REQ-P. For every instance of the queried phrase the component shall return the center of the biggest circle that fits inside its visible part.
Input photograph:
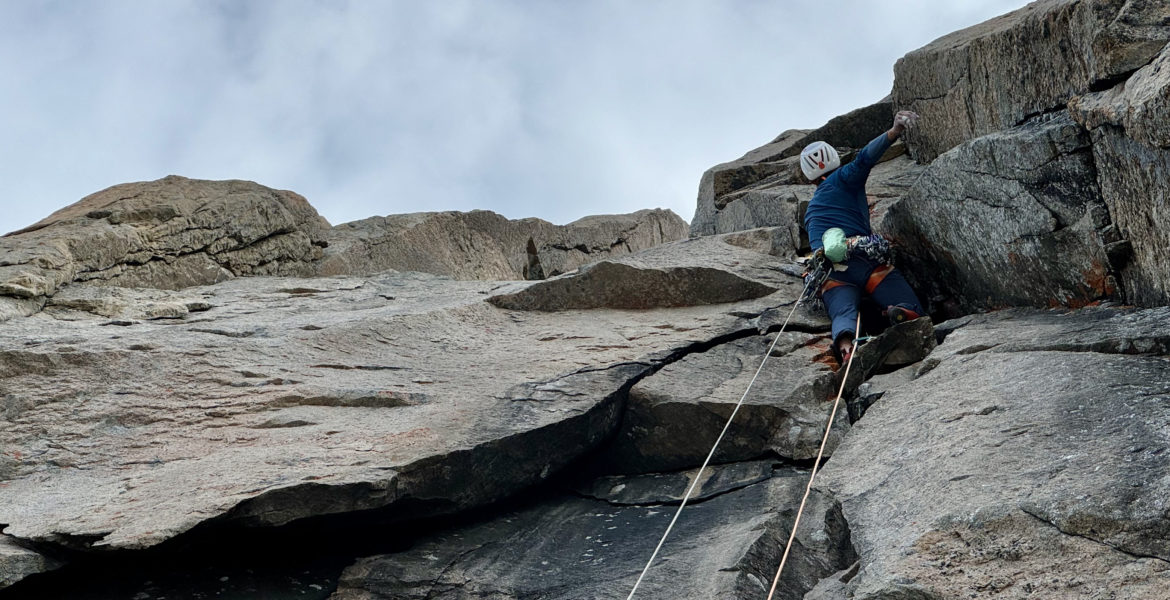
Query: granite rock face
(533, 438)
(1131, 146)
(177, 232)
(484, 245)
(995, 75)
(271, 400)
(1020, 452)
(167, 234)
(1009, 219)
(250, 380)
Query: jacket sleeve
(856, 172)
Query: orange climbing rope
(816, 465)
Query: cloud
(549, 109)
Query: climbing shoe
(844, 346)
(847, 353)
(898, 314)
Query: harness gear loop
(707, 461)
(816, 465)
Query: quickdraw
(819, 269)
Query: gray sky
(556, 109)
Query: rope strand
(699, 475)
(816, 464)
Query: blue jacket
(840, 200)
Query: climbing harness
(820, 268)
(816, 464)
(699, 475)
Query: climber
(837, 221)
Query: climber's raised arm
(905, 119)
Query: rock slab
(568, 547)
(1004, 462)
(1013, 218)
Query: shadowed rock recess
(208, 391)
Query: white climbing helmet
(817, 159)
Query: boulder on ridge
(484, 245)
(168, 234)
(711, 270)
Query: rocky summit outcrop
(484, 245)
(190, 365)
(170, 233)
(177, 232)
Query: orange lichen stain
(1098, 279)
(824, 355)
(1098, 284)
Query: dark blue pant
(842, 301)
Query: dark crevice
(1108, 83)
(1061, 108)
(693, 501)
(1117, 346)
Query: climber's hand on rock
(905, 119)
